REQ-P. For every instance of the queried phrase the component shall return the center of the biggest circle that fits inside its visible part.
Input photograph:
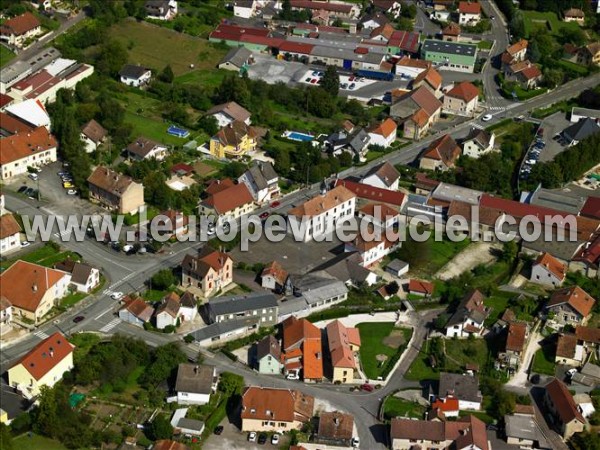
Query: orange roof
(515, 341)
(20, 24)
(444, 149)
(297, 330)
(165, 444)
(431, 77)
(420, 117)
(312, 359)
(276, 271)
(588, 334)
(465, 91)
(517, 47)
(385, 128)
(448, 404)
(24, 284)
(421, 286)
(339, 345)
(46, 355)
(229, 199)
(577, 298)
(283, 405)
(12, 125)
(353, 336)
(469, 8)
(552, 265)
(8, 226)
(26, 143)
(322, 203)
(293, 353)
(407, 61)
(453, 29)
(383, 212)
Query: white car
(72, 192)
(487, 118)
(292, 376)
(275, 439)
(355, 442)
(25, 244)
(571, 372)
(117, 295)
(252, 436)
(33, 176)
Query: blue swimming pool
(296, 136)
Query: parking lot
(272, 70)
(234, 439)
(552, 126)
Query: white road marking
(110, 325)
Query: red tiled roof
(577, 298)
(566, 346)
(448, 404)
(12, 125)
(444, 149)
(20, 24)
(228, 199)
(421, 286)
(591, 208)
(517, 47)
(385, 128)
(405, 40)
(283, 405)
(515, 340)
(8, 226)
(296, 47)
(465, 91)
(25, 143)
(46, 355)
(469, 8)
(431, 76)
(590, 335)
(296, 330)
(563, 402)
(339, 345)
(321, 5)
(312, 359)
(552, 265)
(367, 192)
(5, 100)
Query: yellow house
(343, 344)
(3, 416)
(275, 410)
(233, 140)
(44, 365)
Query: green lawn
(204, 78)
(45, 256)
(547, 20)
(498, 302)
(5, 56)
(36, 442)
(152, 295)
(399, 407)
(543, 360)
(484, 45)
(372, 336)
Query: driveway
(475, 254)
(519, 380)
(234, 439)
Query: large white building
(9, 234)
(27, 149)
(320, 215)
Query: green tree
(167, 75)
(588, 440)
(160, 428)
(110, 59)
(163, 279)
(510, 250)
(208, 124)
(230, 383)
(409, 11)
(534, 52)
(5, 438)
(553, 77)
(517, 25)
(165, 360)
(405, 24)
(47, 414)
(331, 81)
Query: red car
(313, 81)
(275, 204)
(264, 215)
(351, 79)
(367, 387)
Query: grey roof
(344, 42)
(591, 370)
(21, 68)
(585, 112)
(268, 346)
(191, 424)
(262, 172)
(319, 286)
(561, 250)
(220, 328)
(480, 137)
(239, 303)
(132, 71)
(585, 380)
(81, 273)
(454, 48)
(521, 427)
(359, 141)
(342, 53)
(397, 265)
(581, 130)
(561, 201)
(345, 267)
(464, 387)
(194, 378)
(292, 306)
(449, 192)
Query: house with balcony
(234, 140)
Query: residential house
(527, 74)
(589, 55)
(478, 142)
(373, 250)
(390, 7)
(579, 131)
(568, 351)
(268, 356)
(380, 215)
(548, 271)
(446, 407)
(397, 268)
(135, 311)
(420, 288)
(277, 410)
(347, 267)
(262, 181)
(382, 33)
(173, 223)
(227, 113)
(302, 349)
(343, 343)
(244, 8)
(226, 201)
(234, 140)
(371, 21)
(6, 311)
(408, 67)
(451, 32)
(430, 79)
(236, 59)
(574, 15)
(321, 214)
(262, 305)
(44, 365)
(462, 100)
(144, 148)
(10, 231)
(425, 185)
(195, 383)
(92, 134)
(167, 313)
(517, 334)
(383, 134)
(84, 277)
(115, 191)
(20, 30)
(571, 305)
(208, 272)
(417, 111)
(367, 193)
(135, 76)
(33, 290)
(442, 154)
(358, 143)
(188, 309)
(26, 149)
(383, 176)
(338, 9)
(275, 278)
(465, 433)
(335, 428)
(463, 387)
(161, 9)
(469, 13)
(522, 429)
(515, 53)
(469, 317)
(568, 420)
(589, 337)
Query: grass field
(543, 360)
(498, 302)
(399, 407)
(206, 78)
(24, 442)
(381, 339)
(547, 20)
(155, 47)
(484, 45)
(5, 56)
(45, 256)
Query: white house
(469, 13)
(26, 149)
(144, 148)
(462, 100)
(188, 309)
(463, 387)
(380, 215)
(20, 29)
(384, 176)
(319, 215)
(244, 8)
(92, 135)
(135, 76)
(397, 268)
(390, 7)
(135, 311)
(195, 383)
(9, 234)
(228, 113)
(168, 311)
(548, 271)
(478, 143)
(262, 181)
(84, 277)
(384, 133)
(469, 317)
(370, 251)
(161, 9)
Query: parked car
(367, 387)
(275, 439)
(264, 215)
(72, 192)
(68, 185)
(486, 118)
(352, 86)
(275, 204)
(352, 78)
(252, 436)
(314, 81)
(307, 80)
(117, 295)
(262, 438)
(25, 244)
(315, 73)
(78, 319)
(292, 376)
(22, 189)
(355, 442)
(219, 430)
(33, 176)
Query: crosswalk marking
(478, 126)
(110, 325)
(41, 335)
(497, 108)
